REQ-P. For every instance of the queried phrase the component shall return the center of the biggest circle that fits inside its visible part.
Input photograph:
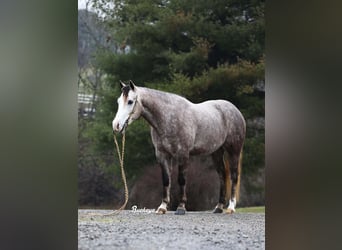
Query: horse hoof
(230, 211)
(180, 211)
(161, 211)
(218, 210)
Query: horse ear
(122, 84)
(131, 84)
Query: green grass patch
(251, 210)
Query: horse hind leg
(218, 158)
(234, 171)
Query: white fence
(85, 98)
(85, 103)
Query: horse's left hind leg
(220, 168)
(234, 159)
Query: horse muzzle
(120, 129)
(123, 129)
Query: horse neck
(155, 107)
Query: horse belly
(201, 151)
(207, 144)
(205, 149)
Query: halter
(130, 115)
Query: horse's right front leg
(166, 177)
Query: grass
(251, 210)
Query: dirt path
(195, 230)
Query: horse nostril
(117, 126)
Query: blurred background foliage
(199, 49)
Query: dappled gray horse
(180, 129)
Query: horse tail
(228, 180)
(238, 180)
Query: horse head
(129, 107)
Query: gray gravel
(195, 230)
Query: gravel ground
(195, 230)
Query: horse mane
(166, 96)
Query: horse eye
(130, 102)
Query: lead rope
(121, 160)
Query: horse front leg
(166, 178)
(182, 184)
